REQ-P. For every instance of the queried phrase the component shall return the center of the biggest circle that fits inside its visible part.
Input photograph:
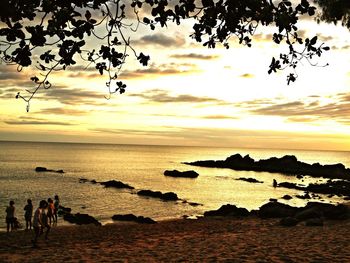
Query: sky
(192, 95)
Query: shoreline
(214, 239)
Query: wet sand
(204, 240)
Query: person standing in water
(38, 224)
(56, 205)
(28, 214)
(10, 216)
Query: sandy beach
(204, 240)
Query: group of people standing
(44, 216)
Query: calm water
(141, 167)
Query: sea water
(142, 167)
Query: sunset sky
(191, 95)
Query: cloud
(160, 70)
(161, 40)
(194, 56)
(63, 111)
(220, 117)
(35, 121)
(70, 96)
(163, 96)
(337, 109)
(247, 76)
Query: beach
(204, 240)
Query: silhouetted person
(56, 205)
(28, 214)
(45, 220)
(50, 211)
(274, 184)
(10, 216)
(38, 222)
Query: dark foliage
(59, 31)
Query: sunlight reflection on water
(141, 167)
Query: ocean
(142, 167)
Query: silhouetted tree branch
(54, 34)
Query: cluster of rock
(79, 219)
(168, 196)
(44, 169)
(133, 218)
(314, 213)
(287, 165)
(117, 184)
(184, 174)
(250, 180)
(338, 187)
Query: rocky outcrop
(228, 210)
(80, 219)
(276, 210)
(250, 180)
(40, 169)
(185, 174)
(169, 196)
(133, 218)
(117, 184)
(338, 187)
(287, 165)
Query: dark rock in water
(185, 174)
(287, 197)
(93, 181)
(338, 187)
(250, 180)
(64, 210)
(305, 196)
(133, 218)
(228, 210)
(81, 219)
(289, 221)
(299, 176)
(116, 184)
(273, 200)
(169, 196)
(41, 169)
(83, 180)
(314, 222)
(287, 164)
(44, 169)
(276, 209)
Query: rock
(81, 219)
(314, 222)
(40, 169)
(287, 197)
(330, 211)
(64, 210)
(287, 165)
(305, 196)
(307, 214)
(133, 218)
(116, 184)
(83, 180)
(250, 180)
(273, 200)
(185, 174)
(228, 210)
(276, 209)
(169, 196)
(289, 221)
